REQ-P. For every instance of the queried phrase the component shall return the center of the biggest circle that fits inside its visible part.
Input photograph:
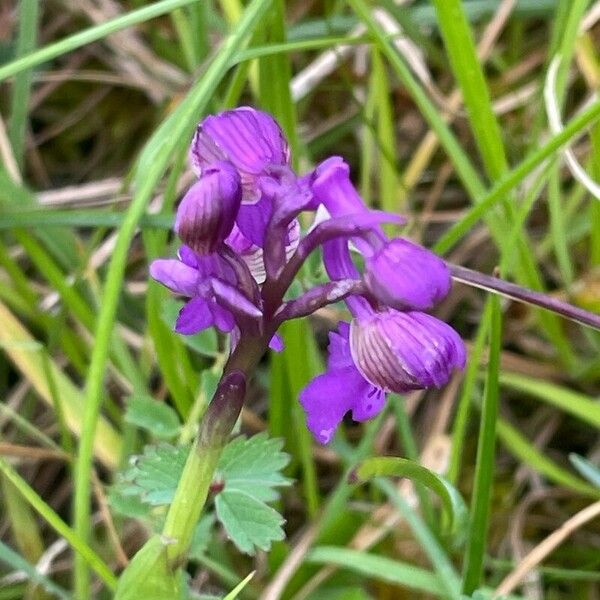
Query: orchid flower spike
(243, 247)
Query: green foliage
(150, 576)
(454, 506)
(248, 475)
(248, 521)
(153, 476)
(155, 417)
(253, 466)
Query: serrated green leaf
(249, 471)
(156, 417)
(204, 343)
(154, 475)
(149, 575)
(248, 522)
(253, 466)
(127, 504)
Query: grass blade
(92, 34)
(77, 543)
(378, 567)
(28, 24)
(10, 557)
(484, 470)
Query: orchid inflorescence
(243, 248)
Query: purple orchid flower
(243, 249)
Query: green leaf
(156, 417)
(204, 343)
(253, 466)
(149, 575)
(484, 468)
(454, 505)
(125, 503)
(249, 465)
(249, 522)
(153, 476)
(249, 471)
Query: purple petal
(238, 242)
(402, 351)
(289, 201)
(207, 212)
(177, 276)
(369, 404)
(339, 265)
(248, 138)
(361, 227)
(194, 317)
(328, 397)
(332, 188)
(230, 298)
(188, 256)
(214, 265)
(276, 343)
(342, 388)
(339, 347)
(253, 219)
(222, 318)
(404, 275)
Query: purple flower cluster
(243, 248)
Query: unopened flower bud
(404, 275)
(402, 351)
(206, 214)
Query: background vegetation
(438, 106)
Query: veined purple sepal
(206, 215)
(402, 351)
(404, 275)
(250, 139)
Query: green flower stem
(215, 429)
(194, 485)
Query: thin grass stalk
(484, 469)
(28, 24)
